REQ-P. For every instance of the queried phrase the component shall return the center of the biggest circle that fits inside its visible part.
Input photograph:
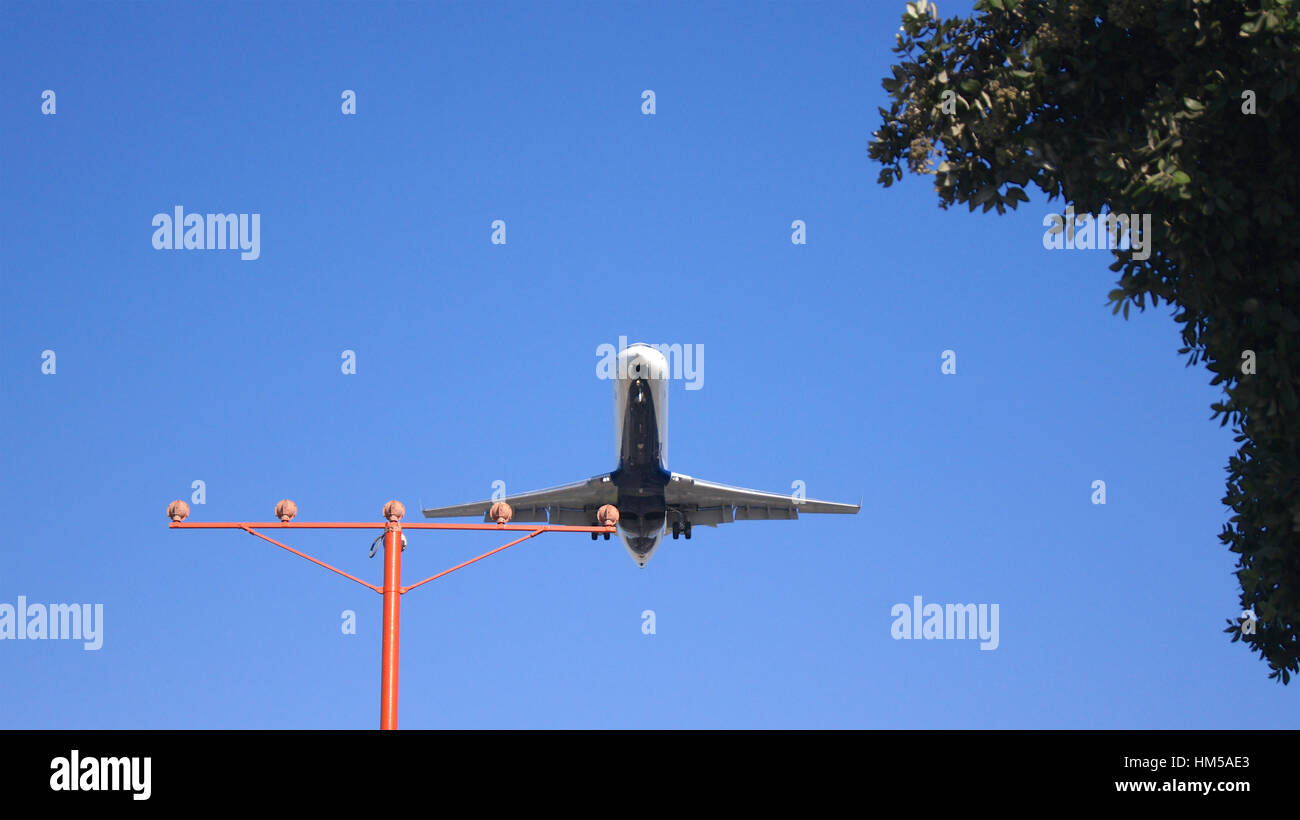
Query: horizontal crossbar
(371, 525)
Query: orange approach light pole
(394, 543)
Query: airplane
(651, 501)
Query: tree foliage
(1183, 109)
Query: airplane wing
(710, 504)
(572, 504)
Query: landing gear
(686, 529)
(681, 528)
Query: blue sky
(476, 363)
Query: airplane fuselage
(641, 436)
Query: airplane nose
(640, 547)
(643, 362)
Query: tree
(1182, 109)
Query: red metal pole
(392, 624)
(392, 590)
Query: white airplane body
(651, 500)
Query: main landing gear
(681, 528)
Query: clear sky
(475, 363)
